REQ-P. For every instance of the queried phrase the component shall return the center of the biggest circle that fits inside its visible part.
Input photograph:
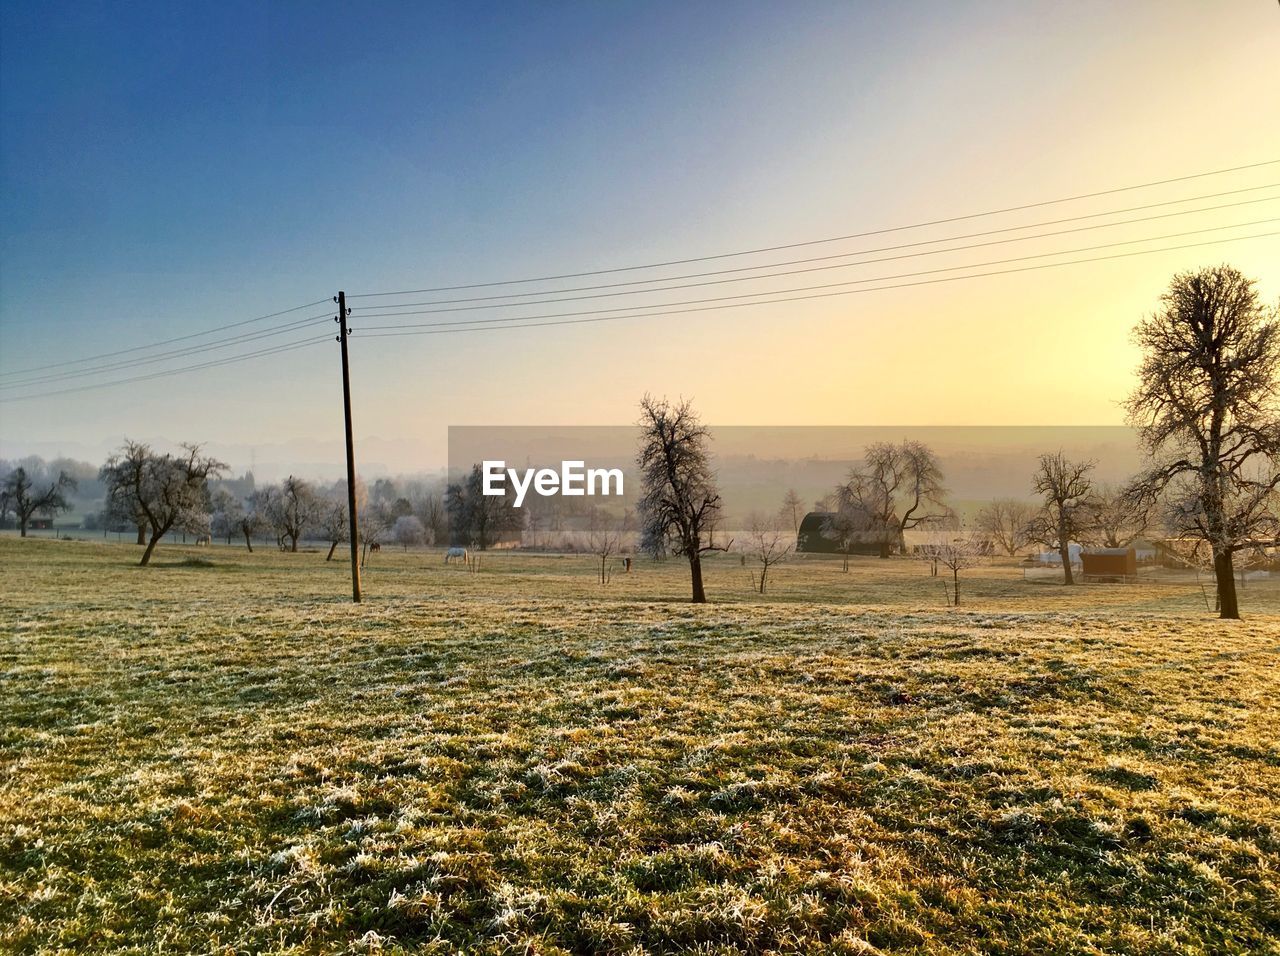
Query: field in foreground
(221, 754)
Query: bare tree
(849, 523)
(195, 521)
(122, 506)
(228, 513)
(375, 525)
(250, 523)
(769, 543)
(292, 511)
(20, 494)
(333, 525)
(431, 511)
(604, 543)
(792, 510)
(899, 486)
(679, 504)
(1066, 515)
(408, 530)
(956, 551)
(163, 489)
(1119, 517)
(1207, 408)
(1007, 523)
(477, 520)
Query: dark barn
(1110, 564)
(815, 537)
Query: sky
(173, 168)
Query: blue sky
(171, 167)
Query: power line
(180, 338)
(829, 285)
(812, 242)
(791, 272)
(288, 346)
(483, 325)
(905, 245)
(162, 356)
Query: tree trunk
(1064, 551)
(763, 573)
(22, 526)
(151, 546)
(142, 534)
(695, 571)
(333, 546)
(247, 543)
(293, 543)
(955, 586)
(1224, 573)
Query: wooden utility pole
(352, 523)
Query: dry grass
(228, 757)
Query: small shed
(1110, 564)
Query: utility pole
(353, 525)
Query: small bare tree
(679, 503)
(956, 551)
(1007, 523)
(333, 525)
(604, 543)
(227, 512)
(849, 524)
(408, 530)
(21, 494)
(792, 510)
(769, 543)
(431, 511)
(1066, 515)
(292, 510)
(375, 524)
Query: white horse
(458, 553)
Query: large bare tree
(162, 489)
(1007, 524)
(679, 503)
(26, 497)
(1066, 514)
(899, 486)
(1207, 408)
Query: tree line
(1206, 407)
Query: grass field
(221, 754)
